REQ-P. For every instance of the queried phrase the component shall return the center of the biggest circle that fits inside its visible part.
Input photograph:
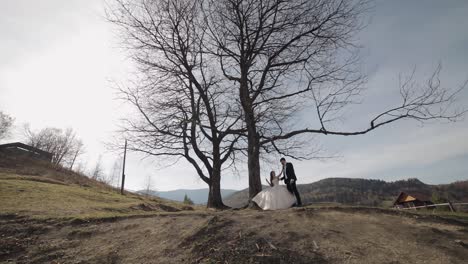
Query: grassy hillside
(198, 196)
(366, 192)
(44, 198)
(50, 215)
(38, 190)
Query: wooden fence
(449, 204)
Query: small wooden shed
(405, 200)
(19, 150)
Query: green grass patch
(461, 216)
(33, 197)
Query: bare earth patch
(305, 235)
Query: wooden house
(405, 200)
(20, 150)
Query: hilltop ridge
(40, 190)
(366, 192)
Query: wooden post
(123, 169)
(451, 206)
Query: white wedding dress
(274, 198)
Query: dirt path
(306, 235)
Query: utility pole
(123, 169)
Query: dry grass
(42, 197)
(304, 235)
(35, 227)
(460, 216)
(40, 190)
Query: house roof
(405, 197)
(26, 147)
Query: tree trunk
(253, 154)
(253, 144)
(255, 183)
(73, 160)
(214, 196)
(215, 199)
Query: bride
(276, 197)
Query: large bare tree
(267, 60)
(183, 109)
(285, 56)
(76, 150)
(65, 146)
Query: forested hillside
(367, 192)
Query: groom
(290, 179)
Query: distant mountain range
(198, 196)
(366, 192)
(338, 190)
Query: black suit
(288, 176)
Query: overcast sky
(58, 60)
